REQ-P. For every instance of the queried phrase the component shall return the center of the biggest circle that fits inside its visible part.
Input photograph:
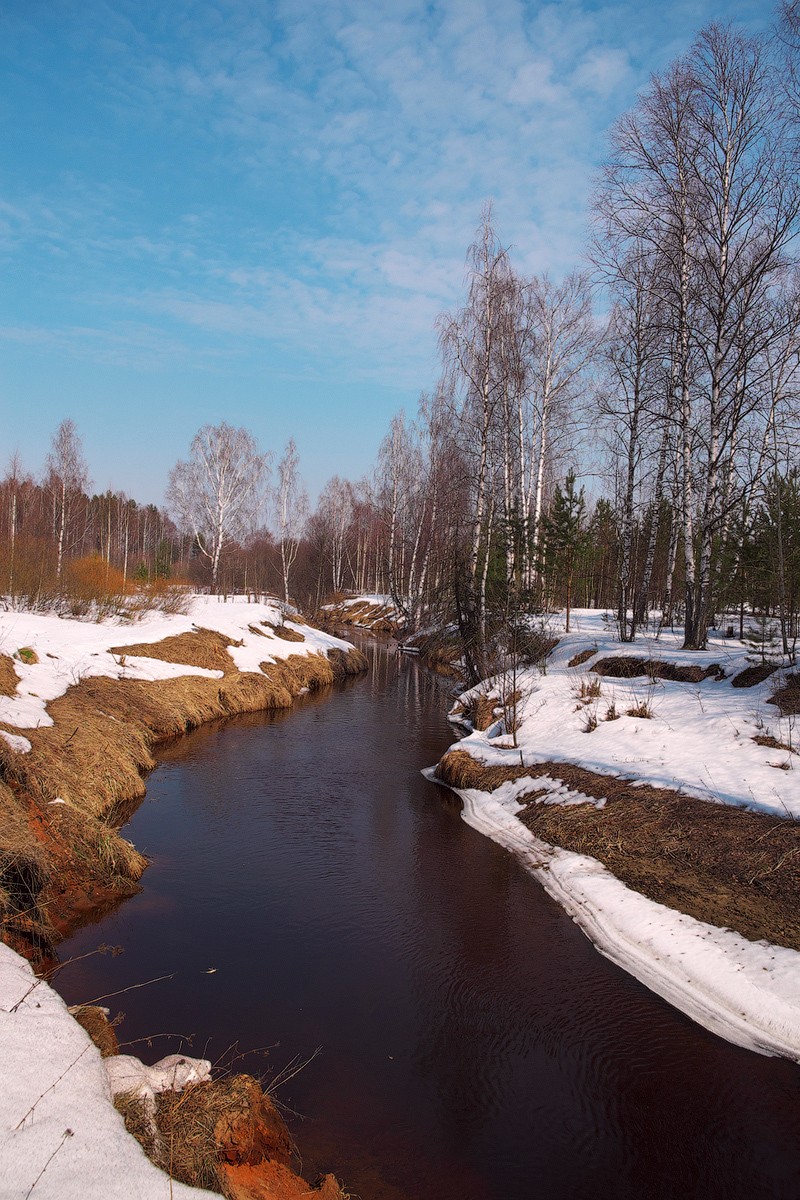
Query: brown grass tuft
(763, 739)
(139, 1124)
(750, 676)
(95, 1021)
(582, 656)
(787, 697)
(8, 676)
(283, 631)
(209, 1127)
(629, 666)
(200, 648)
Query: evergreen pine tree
(564, 537)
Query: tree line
(623, 438)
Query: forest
(621, 439)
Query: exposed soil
(727, 866)
(225, 1135)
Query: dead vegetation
(95, 1021)
(719, 864)
(8, 676)
(224, 1135)
(629, 666)
(787, 697)
(205, 648)
(765, 739)
(750, 676)
(284, 632)
(364, 613)
(582, 656)
(60, 852)
(478, 710)
(25, 870)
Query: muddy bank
(730, 868)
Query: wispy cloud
(218, 183)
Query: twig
(131, 988)
(48, 975)
(52, 1085)
(66, 1134)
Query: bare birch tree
(218, 492)
(67, 479)
(291, 508)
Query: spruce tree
(564, 537)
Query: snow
(376, 599)
(170, 1074)
(699, 740)
(711, 723)
(58, 1128)
(70, 650)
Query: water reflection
(474, 1045)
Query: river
(309, 889)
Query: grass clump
(284, 632)
(582, 656)
(205, 648)
(8, 676)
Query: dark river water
(309, 889)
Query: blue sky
(254, 212)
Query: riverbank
(83, 706)
(654, 793)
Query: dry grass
(763, 739)
(8, 676)
(582, 656)
(96, 1023)
(140, 1124)
(787, 697)
(365, 614)
(589, 689)
(67, 857)
(284, 632)
(750, 676)
(479, 710)
(201, 648)
(194, 1135)
(347, 662)
(25, 870)
(720, 864)
(629, 666)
